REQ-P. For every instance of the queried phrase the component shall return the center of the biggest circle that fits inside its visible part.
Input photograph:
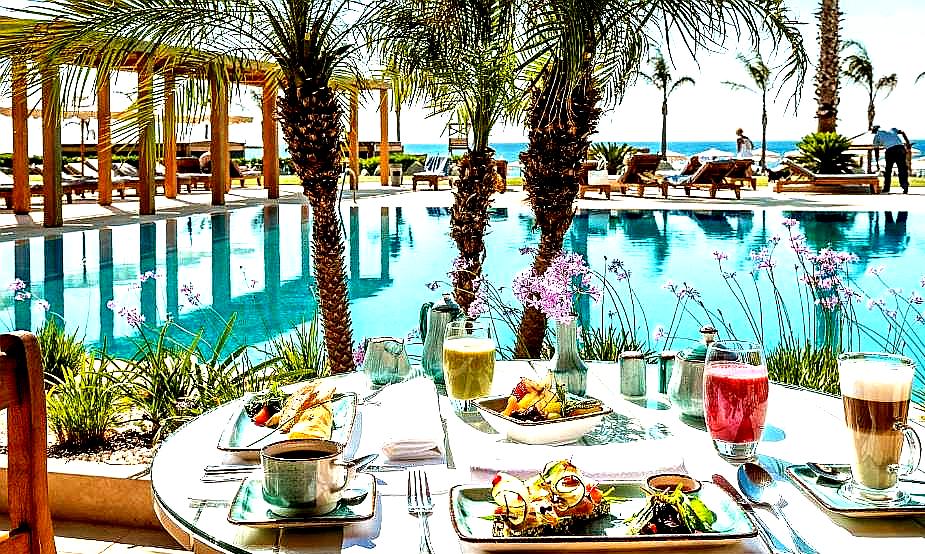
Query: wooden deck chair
(22, 393)
(711, 176)
(742, 172)
(801, 179)
(238, 174)
(640, 172)
(436, 169)
(586, 183)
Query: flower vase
(566, 365)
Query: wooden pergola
(146, 67)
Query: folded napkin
(408, 419)
(607, 462)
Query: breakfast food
(550, 503)
(546, 400)
(305, 414)
(671, 512)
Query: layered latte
(876, 398)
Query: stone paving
(73, 537)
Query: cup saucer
(827, 494)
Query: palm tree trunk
(561, 123)
(764, 131)
(311, 122)
(664, 123)
(827, 73)
(469, 220)
(871, 112)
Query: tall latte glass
(468, 363)
(875, 391)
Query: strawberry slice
(520, 390)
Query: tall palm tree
(760, 75)
(581, 55)
(827, 71)
(308, 47)
(458, 55)
(660, 77)
(860, 70)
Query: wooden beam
(170, 135)
(221, 175)
(270, 140)
(104, 142)
(384, 173)
(354, 139)
(22, 197)
(51, 147)
(147, 141)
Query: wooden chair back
(712, 172)
(639, 163)
(742, 169)
(22, 394)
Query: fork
(421, 506)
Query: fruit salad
(546, 400)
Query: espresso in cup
(303, 477)
(875, 394)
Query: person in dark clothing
(895, 153)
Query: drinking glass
(468, 362)
(735, 397)
(875, 390)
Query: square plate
(245, 439)
(468, 504)
(825, 493)
(564, 430)
(249, 507)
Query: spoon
(760, 488)
(842, 473)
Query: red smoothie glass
(735, 397)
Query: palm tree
(661, 78)
(582, 53)
(827, 71)
(859, 69)
(760, 75)
(459, 56)
(309, 47)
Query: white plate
(564, 430)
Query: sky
(706, 111)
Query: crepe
(314, 423)
(308, 397)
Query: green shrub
(825, 153)
(371, 164)
(804, 365)
(60, 351)
(613, 153)
(607, 343)
(300, 356)
(84, 402)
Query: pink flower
(916, 298)
(18, 284)
(22, 296)
(132, 316)
(875, 271)
(829, 303)
(554, 292)
(658, 333)
(720, 256)
(111, 305)
(359, 353)
(192, 297)
(789, 222)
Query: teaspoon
(758, 486)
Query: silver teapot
(685, 389)
(434, 319)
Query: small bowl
(564, 430)
(668, 482)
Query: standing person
(895, 153)
(744, 145)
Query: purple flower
(132, 316)
(359, 353)
(875, 302)
(22, 296)
(789, 222)
(111, 305)
(554, 292)
(43, 304)
(916, 298)
(668, 285)
(18, 284)
(720, 256)
(829, 303)
(875, 271)
(658, 333)
(762, 258)
(192, 297)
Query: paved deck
(87, 538)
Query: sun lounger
(189, 171)
(586, 182)
(640, 172)
(711, 176)
(69, 187)
(436, 169)
(742, 172)
(238, 174)
(802, 179)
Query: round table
(801, 426)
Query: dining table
(802, 425)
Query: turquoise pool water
(256, 262)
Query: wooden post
(384, 172)
(170, 135)
(218, 148)
(51, 146)
(22, 194)
(354, 139)
(104, 142)
(146, 139)
(270, 140)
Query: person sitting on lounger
(693, 164)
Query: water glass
(875, 390)
(735, 397)
(468, 362)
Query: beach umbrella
(673, 156)
(712, 153)
(793, 153)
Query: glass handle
(913, 446)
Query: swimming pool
(255, 261)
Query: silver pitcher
(685, 389)
(386, 361)
(434, 319)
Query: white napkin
(409, 420)
(612, 462)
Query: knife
(770, 540)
